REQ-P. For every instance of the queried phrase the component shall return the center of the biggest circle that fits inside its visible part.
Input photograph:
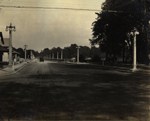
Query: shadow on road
(73, 97)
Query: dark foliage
(111, 30)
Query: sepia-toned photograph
(68, 60)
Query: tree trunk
(123, 52)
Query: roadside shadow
(73, 97)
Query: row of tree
(68, 53)
(113, 25)
(28, 52)
(71, 52)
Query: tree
(45, 52)
(113, 25)
(95, 54)
(35, 53)
(85, 51)
(70, 52)
(58, 50)
(21, 51)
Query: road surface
(51, 91)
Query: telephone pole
(10, 28)
(25, 47)
(134, 33)
(57, 55)
(78, 54)
(61, 54)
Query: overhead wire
(47, 5)
(32, 7)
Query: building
(4, 50)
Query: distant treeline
(85, 53)
(69, 52)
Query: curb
(125, 70)
(107, 67)
(16, 70)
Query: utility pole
(31, 54)
(57, 55)
(25, 47)
(53, 56)
(78, 54)
(134, 33)
(61, 54)
(10, 28)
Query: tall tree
(21, 51)
(113, 25)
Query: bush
(96, 58)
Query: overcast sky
(47, 28)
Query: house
(3, 54)
(1, 37)
(4, 50)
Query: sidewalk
(13, 69)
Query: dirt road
(50, 91)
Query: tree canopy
(111, 30)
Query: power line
(48, 2)
(32, 7)
(69, 8)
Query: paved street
(50, 90)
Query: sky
(41, 28)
